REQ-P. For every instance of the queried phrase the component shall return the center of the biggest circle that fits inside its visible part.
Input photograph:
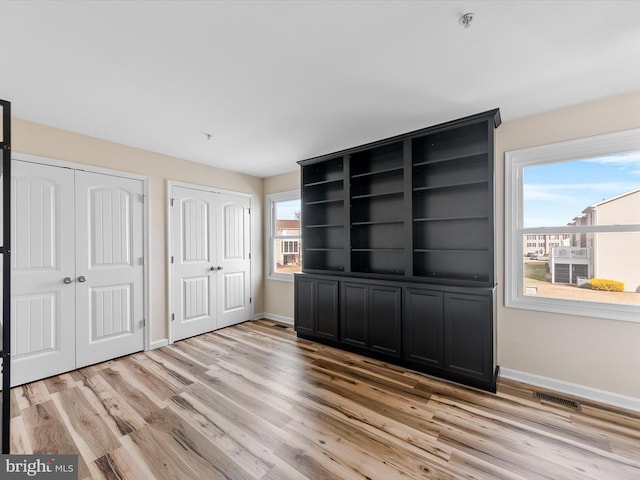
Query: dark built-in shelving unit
(401, 222)
(324, 224)
(377, 223)
(5, 251)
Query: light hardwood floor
(254, 402)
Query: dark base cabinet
(370, 317)
(423, 332)
(316, 307)
(447, 332)
(451, 334)
(467, 335)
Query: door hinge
(249, 211)
(143, 323)
(250, 299)
(173, 317)
(141, 260)
(142, 197)
(172, 200)
(249, 255)
(171, 258)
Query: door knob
(67, 280)
(213, 269)
(218, 267)
(82, 278)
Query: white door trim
(174, 183)
(193, 186)
(146, 305)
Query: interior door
(43, 264)
(211, 261)
(234, 258)
(194, 268)
(109, 267)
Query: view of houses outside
(603, 255)
(287, 249)
(561, 264)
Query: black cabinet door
(385, 313)
(423, 327)
(353, 320)
(327, 312)
(305, 304)
(468, 335)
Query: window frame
(271, 237)
(516, 161)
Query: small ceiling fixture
(465, 20)
(207, 135)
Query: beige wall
(598, 353)
(44, 141)
(278, 295)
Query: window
(581, 201)
(283, 235)
(290, 246)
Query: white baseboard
(601, 396)
(273, 316)
(159, 343)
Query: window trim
(515, 161)
(270, 236)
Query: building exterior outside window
(556, 261)
(284, 256)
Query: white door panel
(234, 237)
(42, 310)
(109, 267)
(193, 280)
(210, 273)
(77, 269)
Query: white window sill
(607, 311)
(281, 277)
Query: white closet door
(109, 267)
(233, 234)
(43, 253)
(193, 271)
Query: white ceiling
(274, 82)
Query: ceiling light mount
(207, 135)
(466, 19)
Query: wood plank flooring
(254, 402)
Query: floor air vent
(565, 402)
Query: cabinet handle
(82, 279)
(67, 280)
